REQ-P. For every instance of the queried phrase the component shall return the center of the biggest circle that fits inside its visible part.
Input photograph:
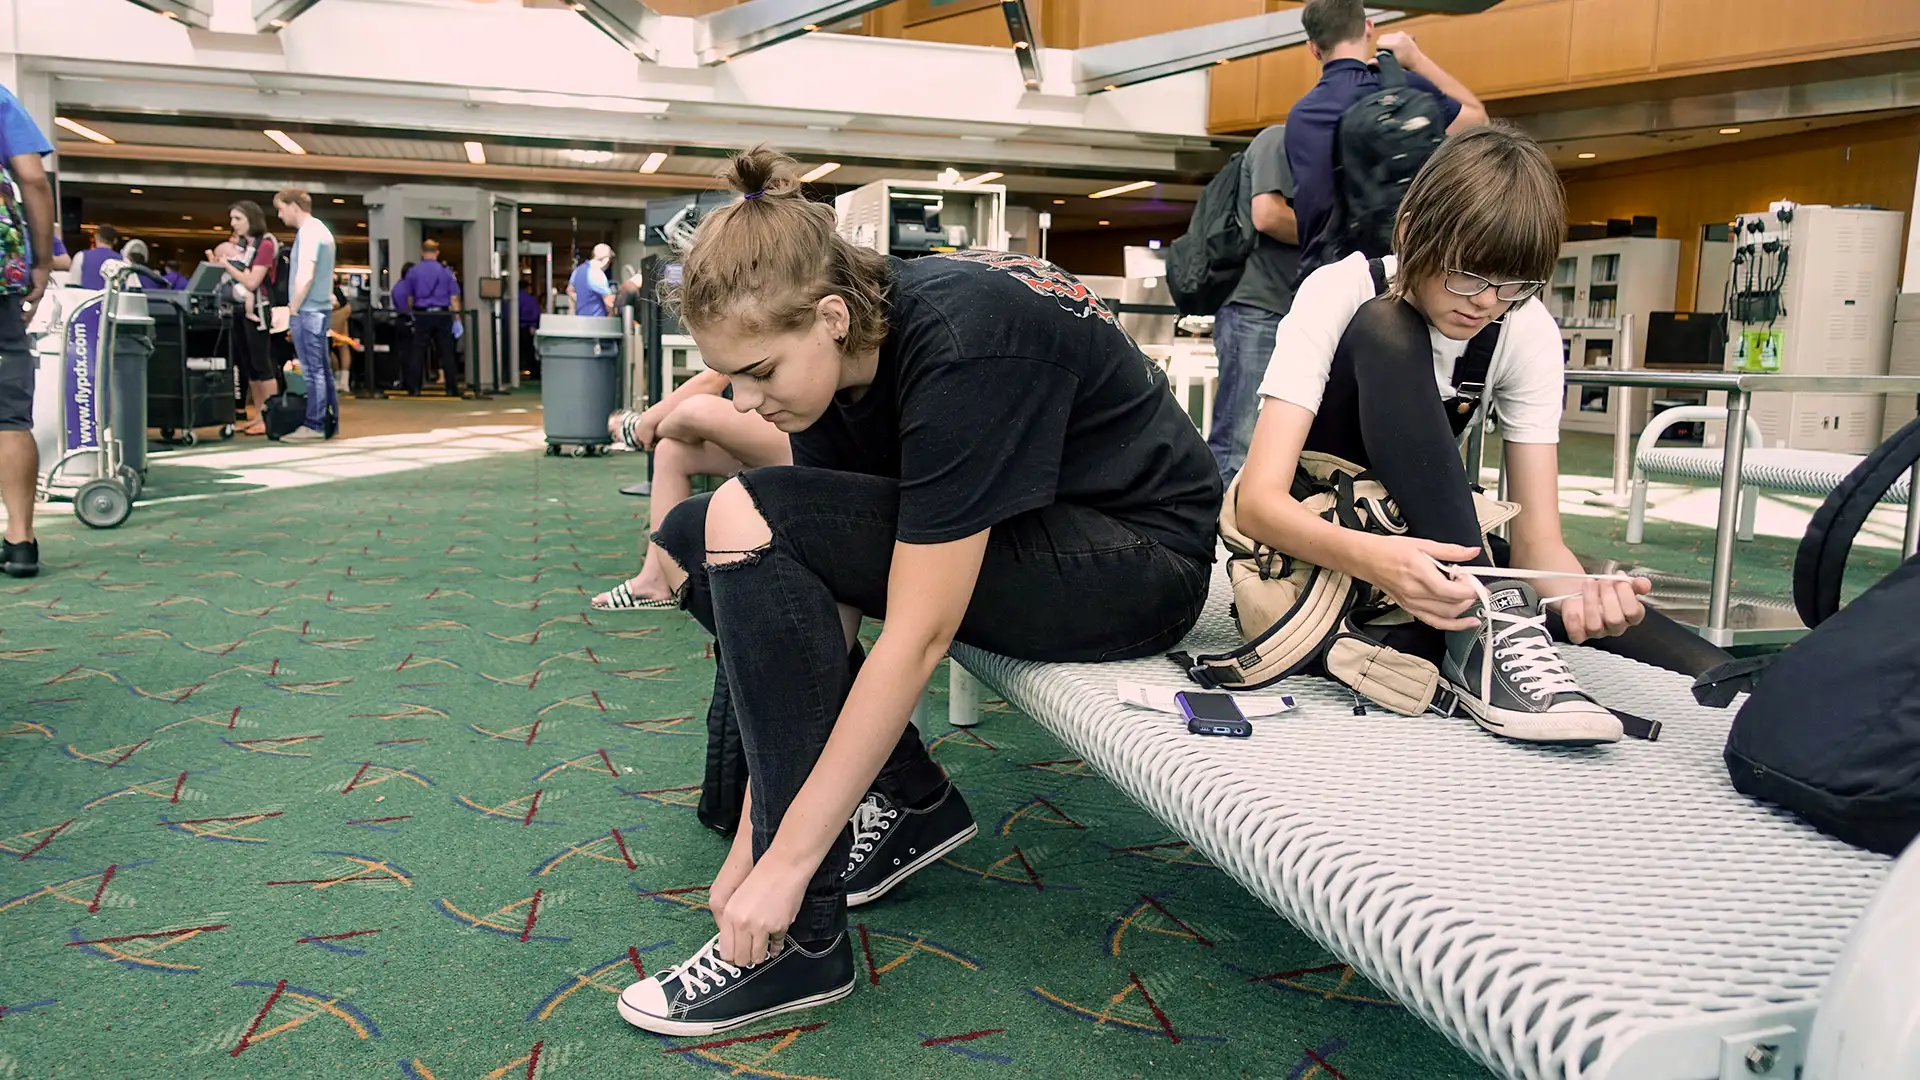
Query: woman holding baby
(248, 258)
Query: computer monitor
(206, 279)
(1686, 339)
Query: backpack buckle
(1446, 702)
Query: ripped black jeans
(1058, 584)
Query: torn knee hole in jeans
(736, 560)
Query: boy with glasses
(1366, 368)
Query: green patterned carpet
(343, 780)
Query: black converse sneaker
(891, 842)
(705, 995)
(1511, 679)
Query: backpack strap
(1391, 75)
(1378, 268)
(1821, 560)
(1470, 374)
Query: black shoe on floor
(20, 560)
(705, 995)
(891, 842)
(1531, 696)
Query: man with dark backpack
(1354, 142)
(1244, 327)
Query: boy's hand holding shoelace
(1605, 607)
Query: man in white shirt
(310, 311)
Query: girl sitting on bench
(980, 454)
(691, 432)
(1354, 373)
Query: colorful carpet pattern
(346, 780)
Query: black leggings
(1381, 412)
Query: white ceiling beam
(195, 13)
(1017, 146)
(757, 24)
(272, 16)
(630, 22)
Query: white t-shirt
(1525, 380)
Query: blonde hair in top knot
(765, 261)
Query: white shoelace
(1530, 657)
(700, 969)
(869, 821)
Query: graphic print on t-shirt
(1044, 278)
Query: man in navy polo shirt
(429, 291)
(1340, 36)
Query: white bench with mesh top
(1790, 472)
(1614, 913)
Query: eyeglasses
(1461, 283)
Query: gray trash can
(579, 380)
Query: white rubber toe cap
(643, 1000)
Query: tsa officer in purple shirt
(430, 292)
(89, 270)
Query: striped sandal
(621, 598)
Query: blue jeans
(1243, 342)
(309, 330)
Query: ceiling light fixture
(1588, 156)
(339, 202)
(135, 191)
(526, 209)
(82, 130)
(1059, 202)
(588, 157)
(1121, 190)
(1106, 223)
(281, 140)
(653, 162)
(810, 27)
(1730, 131)
(819, 171)
(476, 154)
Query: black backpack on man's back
(1378, 146)
(1205, 264)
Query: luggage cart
(91, 467)
(184, 391)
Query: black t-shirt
(1005, 385)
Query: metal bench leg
(1910, 537)
(1749, 506)
(1637, 511)
(963, 696)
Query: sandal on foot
(621, 598)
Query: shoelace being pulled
(1526, 649)
(870, 819)
(702, 968)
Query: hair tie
(756, 194)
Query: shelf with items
(1596, 284)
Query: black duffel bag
(1831, 728)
